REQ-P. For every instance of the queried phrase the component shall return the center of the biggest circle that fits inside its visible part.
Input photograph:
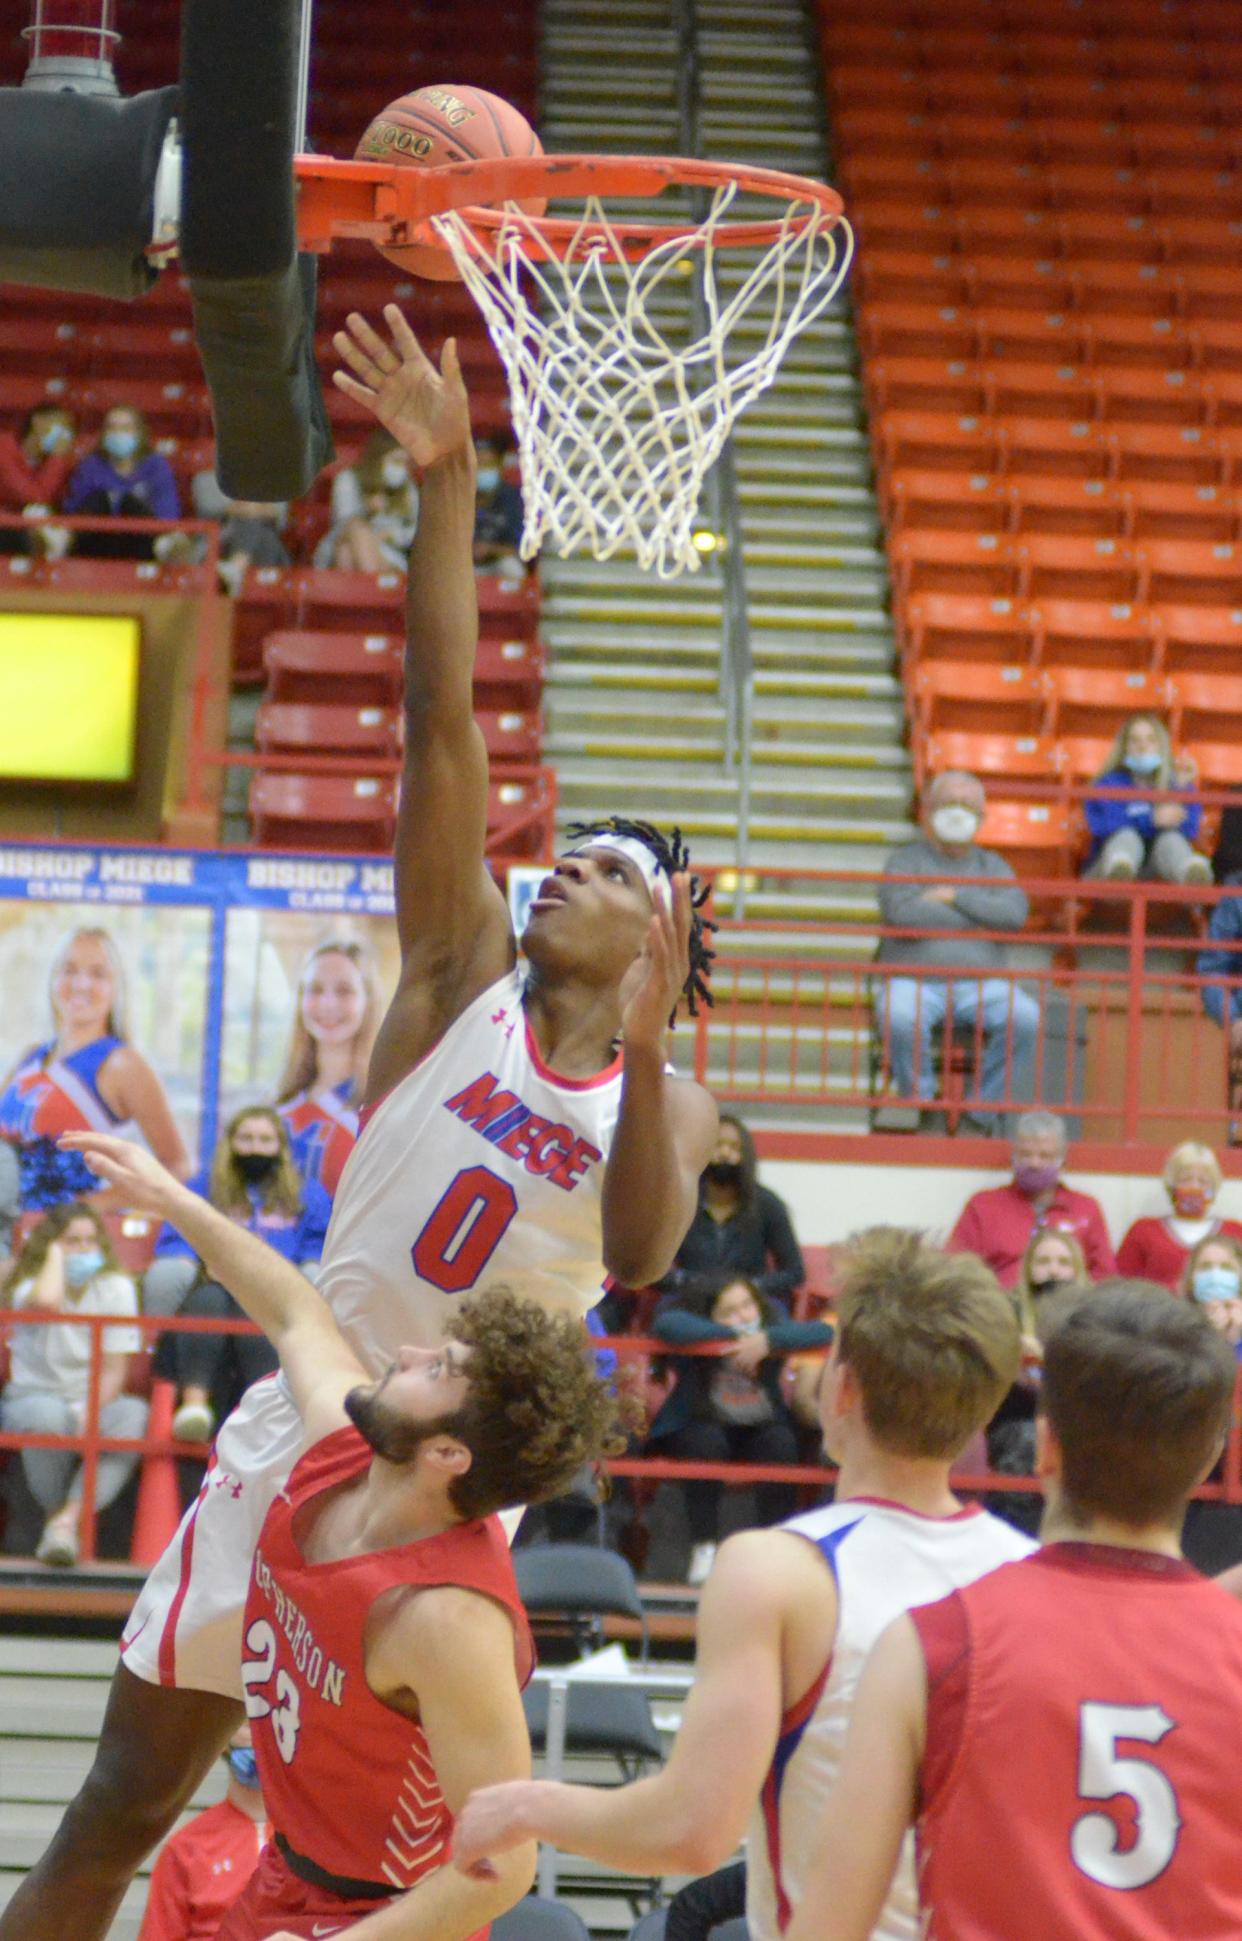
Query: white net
(616, 425)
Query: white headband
(651, 871)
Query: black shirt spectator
(741, 1228)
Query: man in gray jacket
(969, 991)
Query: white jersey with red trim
(885, 1560)
(480, 1165)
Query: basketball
(438, 125)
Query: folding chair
(538, 1918)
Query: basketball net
(617, 427)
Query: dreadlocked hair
(672, 854)
(536, 1410)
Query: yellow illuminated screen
(68, 696)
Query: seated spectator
(125, 478)
(254, 1180)
(1158, 1249)
(67, 1267)
(374, 511)
(1213, 1276)
(1051, 1262)
(498, 516)
(1143, 838)
(250, 529)
(729, 1408)
(964, 989)
(34, 469)
(321, 1086)
(203, 1866)
(998, 1223)
(1222, 1000)
(741, 1229)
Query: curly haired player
(385, 1643)
(505, 1137)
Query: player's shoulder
(1010, 1544)
(766, 1572)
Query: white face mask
(394, 474)
(954, 823)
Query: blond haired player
(927, 1345)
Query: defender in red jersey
(1064, 1731)
(385, 1644)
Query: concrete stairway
(635, 718)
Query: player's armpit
(875, 1798)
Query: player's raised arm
(874, 1800)
(318, 1363)
(452, 920)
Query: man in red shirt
(1104, 1664)
(384, 1641)
(35, 467)
(204, 1866)
(998, 1223)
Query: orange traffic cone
(158, 1510)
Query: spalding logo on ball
(438, 125)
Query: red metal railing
(90, 1444)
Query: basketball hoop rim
(475, 191)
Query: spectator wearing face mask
(1213, 1277)
(1143, 838)
(955, 972)
(374, 511)
(740, 1227)
(125, 478)
(254, 1180)
(498, 514)
(1052, 1261)
(34, 469)
(1157, 1249)
(203, 1867)
(67, 1268)
(999, 1223)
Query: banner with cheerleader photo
(156, 993)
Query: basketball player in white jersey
(927, 1346)
(521, 1127)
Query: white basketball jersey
(885, 1560)
(481, 1165)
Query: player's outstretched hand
(148, 1187)
(655, 980)
(427, 411)
(494, 1819)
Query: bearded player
(516, 1127)
(385, 1643)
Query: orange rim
(393, 205)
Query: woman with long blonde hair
(338, 1012)
(1141, 837)
(1052, 1262)
(86, 1077)
(252, 1178)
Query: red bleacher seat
(953, 562)
(1208, 707)
(925, 384)
(889, 329)
(1065, 506)
(348, 669)
(1039, 839)
(1054, 448)
(1215, 343)
(1157, 510)
(1018, 282)
(323, 811)
(961, 627)
(1187, 572)
(911, 276)
(1095, 633)
(1127, 395)
(944, 501)
(1096, 700)
(1053, 566)
(935, 441)
(1061, 391)
(997, 757)
(519, 815)
(980, 697)
(301, 727)
(1216, 762)
(1138, 343)
(1183, 454)
(1026, 336)
(1204, 640)
(1083, 757)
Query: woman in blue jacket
(729, 1407)
(1141, 837)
